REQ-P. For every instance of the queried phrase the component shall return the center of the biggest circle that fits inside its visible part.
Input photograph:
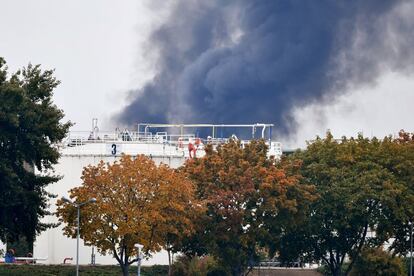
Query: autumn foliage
(250, 198)
(137, 202)
(318, 205)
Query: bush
(69, 270)
(376, 261)
(324, 269)
(197, 266)
(154, 270)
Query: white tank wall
(52, 243)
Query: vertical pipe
(77, 243)
(139, 129)
(270, 133)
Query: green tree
(376, 261)
(250, 199)
(30, 129)
(356, 194)
(398, 157)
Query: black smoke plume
(253, 61)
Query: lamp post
(139, 257)
(78, 206)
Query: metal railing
(178, 139)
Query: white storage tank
(89, 148)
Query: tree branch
(358, 249)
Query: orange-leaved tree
(137, 202)
(251, 199)
(178, 209)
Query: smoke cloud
(254, 61)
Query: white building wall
(52, 243)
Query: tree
(250, 199)
(30, 130)
(356, 194)
(137, 202)
(179, 209)
(376, 261)
(398, 157)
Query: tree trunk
(125, 269)
(336, 271)
(124, 265)
(169, 262)
(237, 271)
(126, 261)
(359, 248)
(250, 269)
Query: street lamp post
(78, 206)
(93, 256)
(139, 257)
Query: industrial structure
(170, 144)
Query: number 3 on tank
(113, 149)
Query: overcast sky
(93, 45)
(100, 52)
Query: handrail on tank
(147, 126)
(146, 134)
